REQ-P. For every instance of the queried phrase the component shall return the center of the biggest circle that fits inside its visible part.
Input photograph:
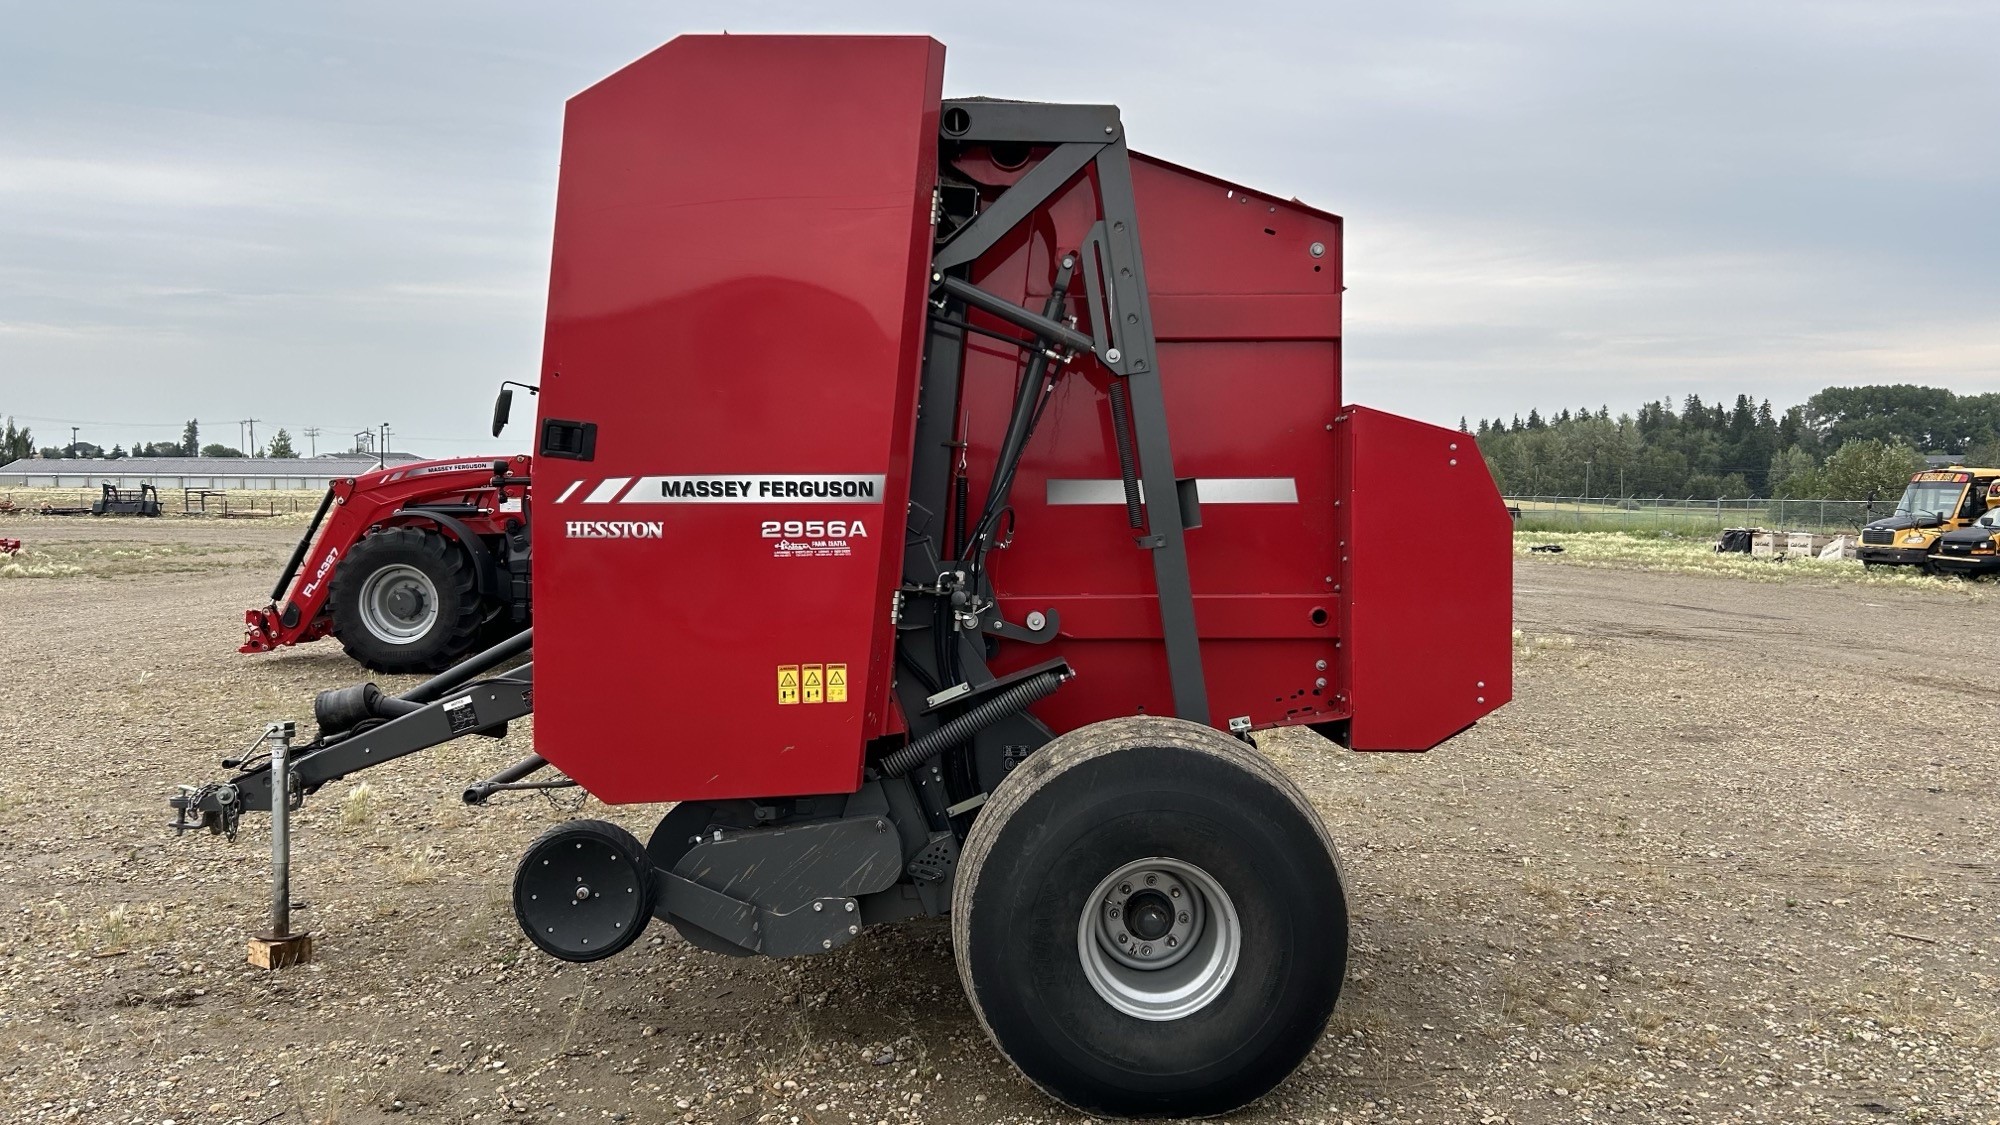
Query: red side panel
(1247, 316)
(736, 303)
(1428, 638)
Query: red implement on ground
(943, 495)
(410, 567)
(9, 546)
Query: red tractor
(410, 567)
(937, 496)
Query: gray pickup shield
(786, 891)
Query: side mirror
(502, 404)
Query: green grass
(1695, 517)
(1674, 554)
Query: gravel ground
(1730, 855)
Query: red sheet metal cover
(736, 303)
(1427, 645)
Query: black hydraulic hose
(1121, 435)
(471, 668)
(1016, 698)
(291, 570)
(1028, 399)
(961, 489)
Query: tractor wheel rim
(399, 604)
(1159, 939)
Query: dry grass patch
(79, 559)
(358, 806)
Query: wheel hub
(1159, 939)
(399, 604)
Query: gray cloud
(336, 217)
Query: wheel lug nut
(1113, 912)
(1146, 951)
(1172, 941)
(1176, 892)
(1121, 939)
(1151, 879)
(1183, 917)
(1124, 888)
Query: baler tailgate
(1426, 645)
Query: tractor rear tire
(1076, 944)
(406, 600)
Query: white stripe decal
(570, 491)
(607, 491)
(1208, 490)
(754, 488)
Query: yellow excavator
(1936, 503)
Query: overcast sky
(337, 215)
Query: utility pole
(382, 454)
(250, 449)
(72, 441)
(1586, 479)
(312, 439)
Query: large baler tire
(406, 600)
(1079, 847)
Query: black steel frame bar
(493, 702)
(1045, 179)
(1126, 312)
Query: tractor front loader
(409, 567)
(936, 497)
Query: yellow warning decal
(788, 683)
(815, 683)
(836, 683)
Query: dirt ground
(1730, 855)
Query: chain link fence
(1694, 517)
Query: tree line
(18, 443)
(1844, 443)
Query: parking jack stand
(281, 947)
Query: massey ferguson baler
(936, 498)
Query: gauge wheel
(584, 890)
(406, 600)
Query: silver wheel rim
(1159, 939)
(399, 604)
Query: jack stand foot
(268, 951)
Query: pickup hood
(1903, 520)
(1970, 535)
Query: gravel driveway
(1730, 855)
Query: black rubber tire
(1073, 812)
(455, 633)
(630, 852)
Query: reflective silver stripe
(606, 491)
(570, 491)
(1209, 490)
(752, 488)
